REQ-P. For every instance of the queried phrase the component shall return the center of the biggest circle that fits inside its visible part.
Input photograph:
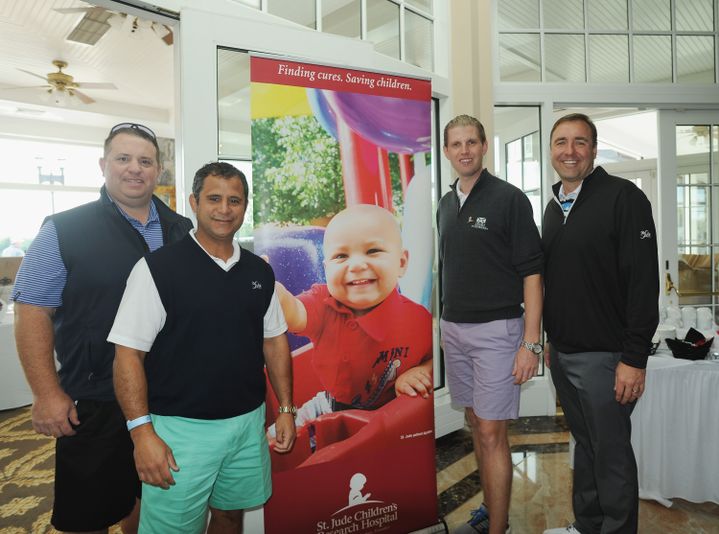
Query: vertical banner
(342, 211)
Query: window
(698, 214)
(518, 157)
(607, 41)
(402, 29)
(38, 179)
(523, 170)
(519, 152)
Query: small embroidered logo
(480, 223)
(645, 234)
(256, 285)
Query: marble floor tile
(541, 486)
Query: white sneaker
(566, 530)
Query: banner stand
(340, 167)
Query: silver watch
(536, 348)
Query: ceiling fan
(99, 20)
(63, 85)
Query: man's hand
(525, 367)
(415, 381)
(52, 414)
(285, 432)
(628, 383)
(153, 458)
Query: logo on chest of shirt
(256, 285)
(645, 234)
(384, 371)
(389, 355)
(480, 223)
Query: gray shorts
(479, 358)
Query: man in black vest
(198, 322)
(66, 295)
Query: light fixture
(49, 177)
(118, 21)
(143, 24)
(136, 27)
(59, 97)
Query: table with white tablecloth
(675, 431)
(14, 391)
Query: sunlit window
(38, 179)
(523, 170)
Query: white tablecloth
(14, 391)
(675, 431)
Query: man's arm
(153, 457)
(639, 269)
(526, 363)
(279, 370)
(52, 410)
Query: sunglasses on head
(133, 126)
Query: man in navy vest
(198, 322)
(66, 294)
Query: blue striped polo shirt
(42, 275)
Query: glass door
(689, 199)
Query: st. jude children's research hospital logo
(361, 514)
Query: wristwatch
(536, 348)
(288, 409)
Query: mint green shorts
(223, 462)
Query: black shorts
(96, 482)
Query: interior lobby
(646, 72)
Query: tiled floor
(541, 488)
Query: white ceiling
(32, 35)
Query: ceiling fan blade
(168, 38)
(69, 10)
(25, 87)
(83, 97)
(96, 85)
(33, 74)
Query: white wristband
(142, 420)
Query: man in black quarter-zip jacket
(600, 313)
(491, 262)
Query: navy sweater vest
(99, 247)
(207, 361)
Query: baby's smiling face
(364, 257)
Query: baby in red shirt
(370, 342)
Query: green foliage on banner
(297, 173)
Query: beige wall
(471, 70)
